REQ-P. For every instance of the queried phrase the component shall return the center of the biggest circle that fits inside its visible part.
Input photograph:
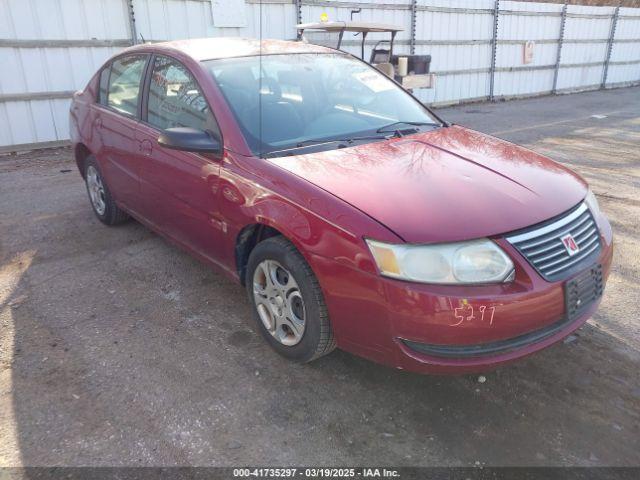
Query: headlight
(477, 261)
(592, 203)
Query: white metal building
(49, 48)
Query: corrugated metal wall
(515, 28)
(49, 48)
(459, 42)
(625, 53)
(46, 53)
(158, 20)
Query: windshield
(290, 101)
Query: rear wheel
(288, 302)
(103, 204)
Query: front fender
(254, 191)
(327, 231)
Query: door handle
(145, 147)
(97, 123)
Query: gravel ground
(116, 348)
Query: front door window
(175, 99)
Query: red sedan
(354, 216)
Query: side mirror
(190, 140)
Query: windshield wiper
(344, 142)
(299, 146)
(366, 137)
(312, 143)
(398, 130)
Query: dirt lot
(119, 349)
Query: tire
(316, 338)
(100, 198)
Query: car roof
(228, 47)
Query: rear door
(179, 189)
(116, 122)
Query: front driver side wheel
(287, 301)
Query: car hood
(445, 185)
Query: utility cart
(411, 71)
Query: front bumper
(495, 348)
(451, 329)
(416, 361)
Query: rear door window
(124, 83)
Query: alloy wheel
(96, 190)
(279, 302)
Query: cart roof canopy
(349, 27)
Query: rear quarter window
(104, 85)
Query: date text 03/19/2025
(315, 473)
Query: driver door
(179, 189)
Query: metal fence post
(132, 22)
(563, 21)
(494, 49)
(612, 34)
(298, 16)
(412, 41)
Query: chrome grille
(543, 248)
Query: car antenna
(143, 40)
